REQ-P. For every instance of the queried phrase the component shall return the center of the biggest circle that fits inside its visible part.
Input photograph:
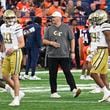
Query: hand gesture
(55, 44)
(9, 51)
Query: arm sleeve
(19, 30)
(105, 26)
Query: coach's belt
(102, 47)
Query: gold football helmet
(101, 16)
(10, 17)
(92, 18)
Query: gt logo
(56, 33)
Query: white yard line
(60, 88)
(46, 71)
(60, 71)
(60, 101)
(43, 89)
(53, 101)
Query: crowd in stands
(77, 9)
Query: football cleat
(82, 77)
(15, 102)
(108, 100)
(26, 76)
(97, 89)
(88, 77)
(105, 97)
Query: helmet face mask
(9, 17)
(98, 17)
(92, 19)
(10, 21)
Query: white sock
(20, 92)
(105, 90)
(7, 87)
(16, 97)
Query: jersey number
(7, 38)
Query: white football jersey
(10, 35)
(98, 36)
(101, 40)
(93, 33)
(105, 27)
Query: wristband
(15, 47)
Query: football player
(100, 58)
(13, 41)
(93, 30)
